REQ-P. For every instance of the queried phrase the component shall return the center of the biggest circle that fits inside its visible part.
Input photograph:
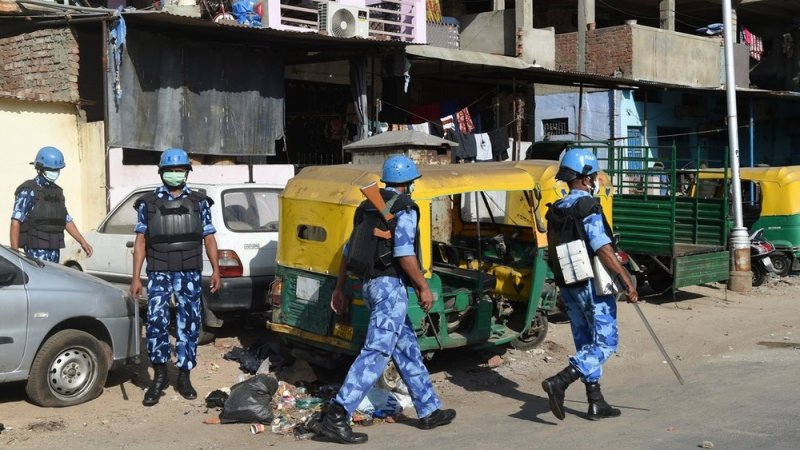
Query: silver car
(61, 330)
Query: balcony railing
(395, 20)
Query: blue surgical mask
(51, 175)
(410, 188)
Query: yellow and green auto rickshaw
(770, 201)
(481, 253)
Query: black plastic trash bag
(216, 399)
(250, 401)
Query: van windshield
(250, 209)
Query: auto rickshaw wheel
(659, 280)
(391, 380)
(759, 274)
(782, 263)
(534, 335)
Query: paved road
(747, 403)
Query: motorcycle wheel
(782, 263)
(759, 274)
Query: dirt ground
(704, 323)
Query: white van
(246, 218)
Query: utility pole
(740, 279)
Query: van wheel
(70, 368)
(207, 334)
(534, 335)
(782, 263)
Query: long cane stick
(658, 343)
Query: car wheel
(70, 368)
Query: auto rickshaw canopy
(318, 205)
(780, 187)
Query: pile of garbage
(288, 400)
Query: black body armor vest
(370, 256)
(566, 225)
(44, 226)
(174, 232)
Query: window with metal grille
(555, 127)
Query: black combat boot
(556, 387)
(437, 418)
(598, 408)
(335, 426)
(160, 383)
(185, 385)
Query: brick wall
(608, 50)
(566, 48)
(41, 65)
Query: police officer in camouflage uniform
(390, 334)
(593, 317)
(40, 214)
(173, 224)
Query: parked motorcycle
(760, 262)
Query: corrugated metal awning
(405, 138)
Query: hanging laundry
(711, 30)
(755, 43)
(500, 145)
(467, 148)
(483, 147)
(448, 123)
(465, 121)
(422, 127)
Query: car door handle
(129, 244)
(6, 340)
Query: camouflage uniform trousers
(187, 289)
(44, 254)
(390, 335)
(593, 320)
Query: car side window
(10, 274)
(250, 210)
(123, 219)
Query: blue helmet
(174, 157)
(577, 162)
(49, 158)
(398, 169)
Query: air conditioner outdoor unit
(343, 20)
